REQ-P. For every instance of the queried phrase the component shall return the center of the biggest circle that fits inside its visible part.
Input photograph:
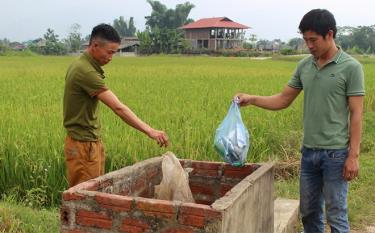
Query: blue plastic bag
(232, 137)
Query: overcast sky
(21, 20)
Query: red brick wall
(211, 180)
(134, 214)
(130, 207)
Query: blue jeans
(321, 181)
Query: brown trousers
(84, 160)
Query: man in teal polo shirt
(333, 85)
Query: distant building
(84, 46)
(129, 45)
(39, 42)
(215, 33)
(271, 46)
(17, 46)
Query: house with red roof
(215, 33)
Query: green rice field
(187, 97)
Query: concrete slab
(285, 215)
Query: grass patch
(15, 218)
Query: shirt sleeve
(295, 81)
(356, 81)
(92, 83)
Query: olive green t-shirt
(326, 92)
(83, 82)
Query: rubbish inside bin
(175, 182)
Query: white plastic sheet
(175, 182)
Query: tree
(164, 18)
(4, 42)
(74, 39)
(263, 44)
(344, 37)
(145, 46)
(4, 45)
(296, 43)
(86, 38)
(131, 27)
(253, 39)
(123, 28)
(53, 46)
(50, 36)
(357, 39)
(364, 38)
(162, 34)
(120, 26)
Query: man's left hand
(351, 168)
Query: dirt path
(369, 229)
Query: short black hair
(105, 32)
(319, 21)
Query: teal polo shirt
(326, 92)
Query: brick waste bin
(228, 200)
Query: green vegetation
(162, 34)
(357, 40)
(16, 218)
(12, 53)
(123, 28)
(186, 96)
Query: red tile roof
(219, 22)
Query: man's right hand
(159, 136)
(243, 99)
(274, 102)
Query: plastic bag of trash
(175, 182)
(232, 137)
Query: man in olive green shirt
(84, 87)
(333, 85)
